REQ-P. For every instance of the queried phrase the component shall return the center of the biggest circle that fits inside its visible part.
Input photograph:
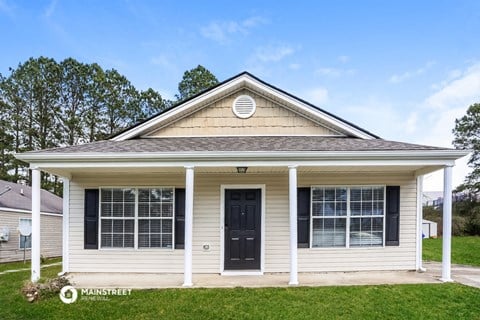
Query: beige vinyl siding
(218, 119)
(400, 257)
(50, 236)
(206, 226)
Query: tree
(195, 81)
(467, 137)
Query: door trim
(262, 188)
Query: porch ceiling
(69, 172)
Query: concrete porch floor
(149, 281)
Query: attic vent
(244, 106)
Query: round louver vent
(244, 106)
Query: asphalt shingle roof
(19, 196)
(239, 144)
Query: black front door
(242, 229)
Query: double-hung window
(136, 217)
(347, 216)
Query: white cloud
(343, 59)
(162, 61)
(273, 53)
(6, 8)
(449, 102)
(411, 123)
(294, 66)
(397, 78)
(334, 72)
(459, 92)
(50, 9)
(317, 96)
(221, 31)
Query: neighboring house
(429, 229)
(243, 178)
(15, 210)
(433, 198)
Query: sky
(404, 70)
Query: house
(433, 198)
(429, 229)
(243, 178)
(16, 211)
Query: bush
(36, 291)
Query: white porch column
(447, 224)
(35, 251)
(187, 277)
(65, 227)
(419, 259)
(292, 195)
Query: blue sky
(401, 69)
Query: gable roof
(234, 84)
(19, 197)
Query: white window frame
(136, 218)
(20, 236)
(348, 217)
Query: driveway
(466, 275)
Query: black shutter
(179, 218)
(91, 219)
(392, 216)
(303, 217)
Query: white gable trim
(245, 81)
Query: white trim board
(29, 212)
(248, 82)
(224, 187)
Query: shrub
(36, 291)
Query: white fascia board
(313, 112)
(316, 113)
(260, 159)
(29, 212)
(168, 114)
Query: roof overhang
(64, 164)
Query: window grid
(367, 214)
(155, 219)
(121, 218)
(329, 216)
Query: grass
(465, 250)
(429, 301)
(20, 265)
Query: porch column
(419, 258)
(187, 280)
(292, 195)
(35, 251)
(447, 224)
(65, 227)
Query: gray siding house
(15, 210)
(243, 178)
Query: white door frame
(224, 187)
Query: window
(329, 215)
(347, 216)
(155, 218)
(25, 241)
(366, 220)
(136, 218)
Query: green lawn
(21, 265)
(432, 301)
(465, 250)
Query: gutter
(244, 155)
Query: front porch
(163, 281)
